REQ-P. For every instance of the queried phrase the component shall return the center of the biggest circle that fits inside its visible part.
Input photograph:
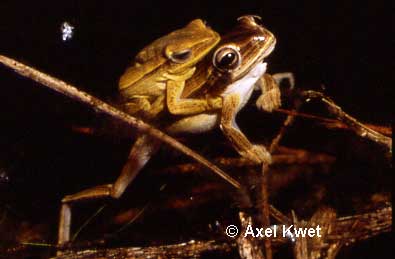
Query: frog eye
(180, 56)
(227, 58)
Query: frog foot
(257, 154)
(270, 100)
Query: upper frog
(170, 58)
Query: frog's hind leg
(255, 153)
(270, 100)
(141, 152)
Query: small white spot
(3, 177)
(67, 31)
(259, 38)
(162, 187)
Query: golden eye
(180, 56)
(227, 58)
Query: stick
(83, 97)
(266, 209)
(359, 128)
(285, 156)
(333, 123)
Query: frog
(193, 98)
(237, 69)
(157, 75)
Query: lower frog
(237, 66)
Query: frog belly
(194, 124)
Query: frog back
(158, 62)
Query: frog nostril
(251, 19)
(257, 19)
(206, 24)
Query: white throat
(245, 85)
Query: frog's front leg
(270, 98)
(244, 147)
(143, 107)
(136, 105)
(187, 106)
(280, 77)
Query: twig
(276, 141)
(284, 156)
(83, 97)
(300, 247)
(334, 230)
(248, 247)
(369, 225)
(278, 215)
(266, 209)
(191, 249)
(286, 124)
(87, 222)
(334, 124)
(359, 128)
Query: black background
(340, 46)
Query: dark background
(340, 46)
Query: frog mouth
(250, 62)
(262, 58)
(268, 51)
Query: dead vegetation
(292, 191)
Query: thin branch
(334, 124)
(300, 246)
(359, 128)
(284, 156)
(266, 208)
(192, 249)
(83, 97)
(276, 141)
(248, 247)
